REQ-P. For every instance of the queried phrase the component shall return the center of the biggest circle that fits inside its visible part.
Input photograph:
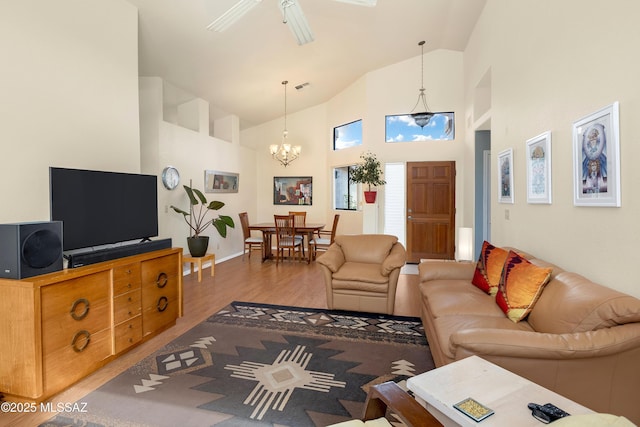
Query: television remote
(547, 413)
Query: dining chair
(300, 220)
(249, 242)
(286, 237)
(324, 240)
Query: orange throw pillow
(520, 286)
(489, 268)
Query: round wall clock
(170, 177)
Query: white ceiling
(240, 71)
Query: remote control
(547, 413)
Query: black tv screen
(99, 208)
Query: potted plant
(197, 221)
(368, 172)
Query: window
(402, 128)
(345, 193)
(349, 135)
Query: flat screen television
(98, 208)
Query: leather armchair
(361, 272)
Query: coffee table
(505, 392)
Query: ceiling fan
(292, 15)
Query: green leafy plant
(368, 172)
(196, 218)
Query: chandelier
(285, 153)
(422, 119)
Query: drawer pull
(80, 334)
(163, 303)
(75, 305)
(162, 280)
(129, 299)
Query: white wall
(69, 85)
(193, 152)
(306, 128)
(552, 63)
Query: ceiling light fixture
(285, 153)
(422, 119)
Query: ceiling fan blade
(369, 3)
(232, 15)
(294, 17)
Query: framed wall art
(539, 169)
(292, 190)
(596, 159)
(505, 176)
(221, 182)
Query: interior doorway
(482, 217)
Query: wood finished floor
(238, 279)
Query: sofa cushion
(571, 303)
(521, 284)
(371, 248)
(489, 268)
(455, 297)
(446, 326)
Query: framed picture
(221, 182)
(348, 135)
(539, 169)
(505, 176)
(596, 159)
(292, 190)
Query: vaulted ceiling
(239, 71)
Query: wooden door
(430, 210)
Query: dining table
(268, 229)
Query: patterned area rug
(262, 365)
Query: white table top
(505, 392)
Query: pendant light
(422, 118)
(285, 153)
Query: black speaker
(30, 248)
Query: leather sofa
(361, 272)
(581, 339)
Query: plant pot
(198, 245)
(370, 196)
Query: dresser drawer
(73, 305)
(156, 271)
(126, 278)
(126, 306)
(128, 333)
(159, 305)
(83, 353)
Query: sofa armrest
(396, 259)
(446, 269)
(333, 258)
(537, 345)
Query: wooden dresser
(59, 327)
